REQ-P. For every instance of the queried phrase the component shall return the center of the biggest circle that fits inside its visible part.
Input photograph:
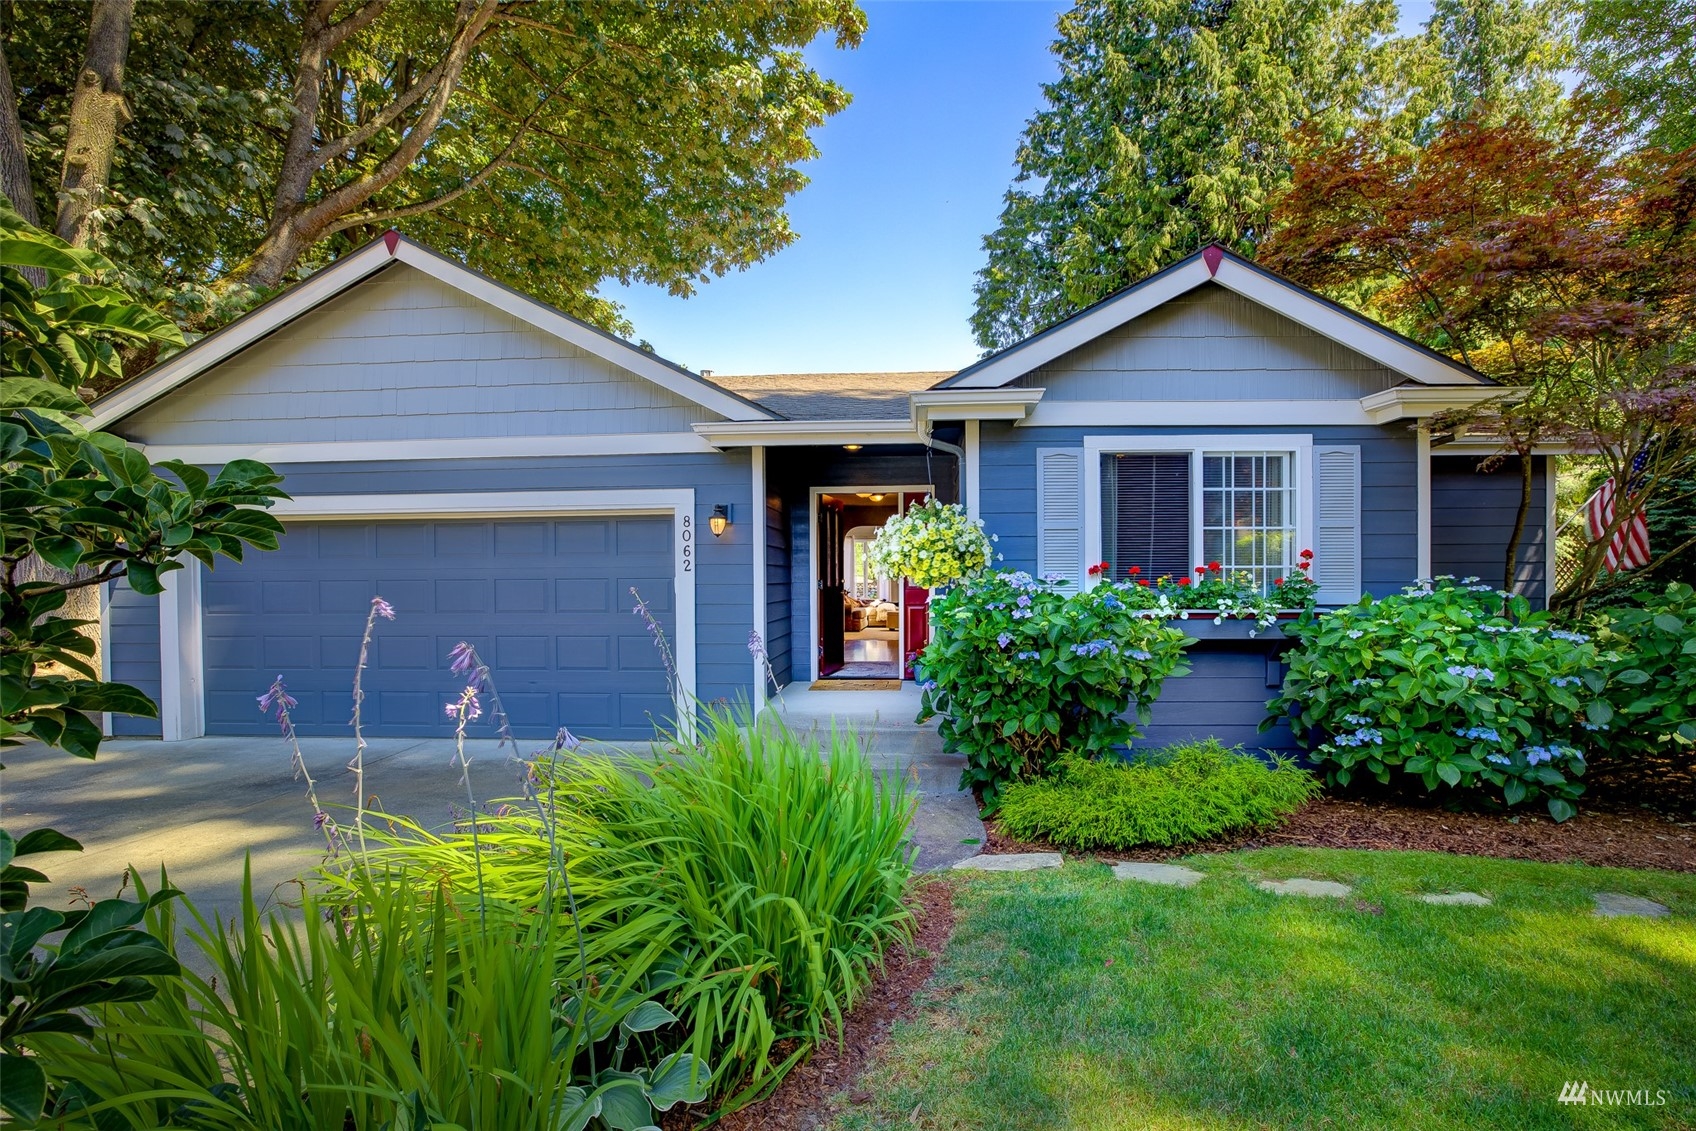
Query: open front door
(828, 540)
(915, 608)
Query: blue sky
(908, 181)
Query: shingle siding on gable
(404, 357)
(1210, 344)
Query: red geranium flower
(1304, 565)
(1277, 581)
(1098, 569)
(1134, 570)
(1201, 569)
(1183, 581)
(1215, 567)
(1307, 553)
(1143, 583)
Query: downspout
(954, 450)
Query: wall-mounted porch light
(720, 520)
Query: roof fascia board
(545, 318)
(1083, 328)
(1361, 336)
(793, 433)
(221, 344)
(1005, 403)
(1406, 402)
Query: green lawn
(1069, 999)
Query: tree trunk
(98, 108)
(14, 161)
(1525, 482)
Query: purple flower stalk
(757, 649)
(379, 608)
(674, 688)
(278, 699)
(463, 710)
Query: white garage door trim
(182, 684)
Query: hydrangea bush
(1022, 671)
(1461, 686)
(932, 544)
(1651, 653)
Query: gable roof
(834, 396)
(1217, 265)
(391, 248)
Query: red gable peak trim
(1212, 255)
(392, 239)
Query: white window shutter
(1060, 513)
(1336, 524)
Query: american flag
(1629, 548)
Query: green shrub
(1022, 670)
(1438, 684)
(1186, 793)
(1650, 652)
(765, 873)
(385, 1012)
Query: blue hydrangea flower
(1472, 671)
(1004, 639)
(1139, 654)
(1487, 734)
(1564, 681)
(1095, 648)
(1029, 656)
(1499, 759)
(1574, 637)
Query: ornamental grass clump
(1179, 795)
(1456, 686)
(764, 874)
(1022, 671)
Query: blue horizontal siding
(132, 625)
(1472, 517)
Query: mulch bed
(803, 1100)
(1641, 839)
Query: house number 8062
(688, 536)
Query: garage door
(546, 601)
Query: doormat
(856, 685)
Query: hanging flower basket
(931, 545)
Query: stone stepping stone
(1616, 905)
(1319, 889)
(1012, 862)
(1172, 875)
(1455, 899)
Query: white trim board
(354, 268)
(1422, 495)
(758, 535)
(1094, 447)
(1189, 414)
(182, 711)
(459, 447)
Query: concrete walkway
(199, 806)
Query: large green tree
(553, 144)
(1171, 123)
(1642, 55)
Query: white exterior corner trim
(182, 711)
(1221, 413)
(971, 468)
(757, 538)
(1411, 402)
(1422, 484)
(1299, 444)
(182, 668)
(368, 260)
(794, 433)
(460, 447)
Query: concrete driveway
(198, 807)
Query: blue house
(508, 475)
